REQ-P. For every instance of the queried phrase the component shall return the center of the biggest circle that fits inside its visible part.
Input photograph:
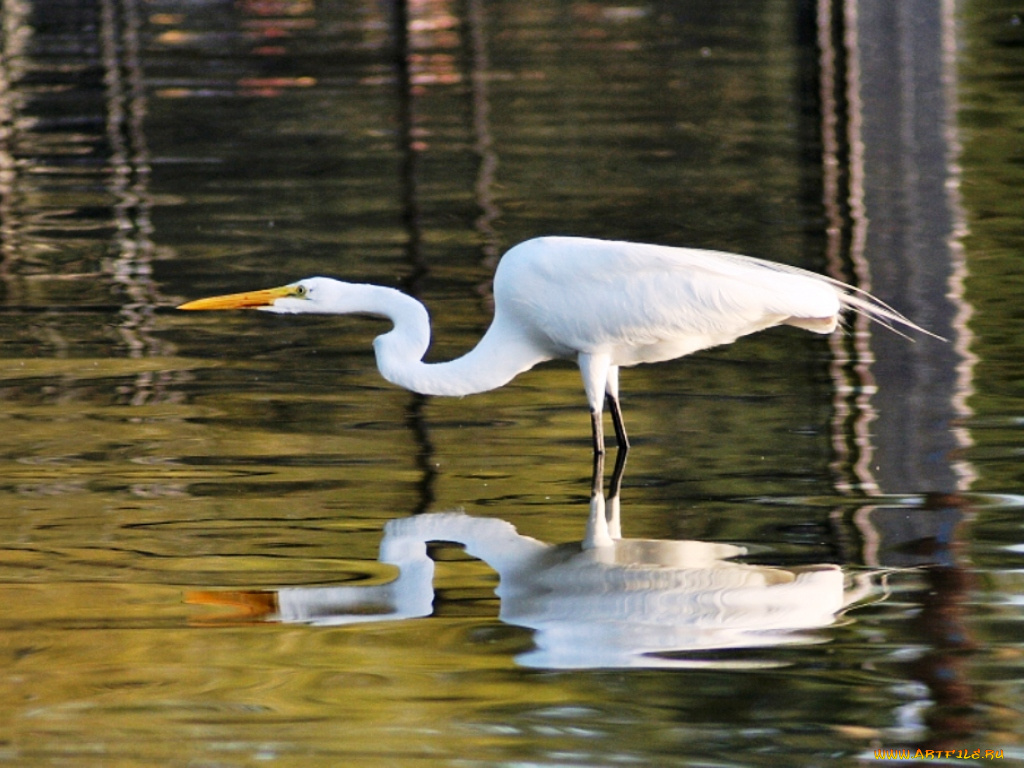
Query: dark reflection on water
(157, 152)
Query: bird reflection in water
(605, 601)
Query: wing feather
(585, 294)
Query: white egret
(604, 303)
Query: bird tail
(863, 303)
(850, 297)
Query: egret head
(312, 295)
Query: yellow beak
(247, 300)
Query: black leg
(620, 427)
(597, 431)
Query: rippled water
(227, 541)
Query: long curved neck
(494, 541)
(495, 360)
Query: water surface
(173, 485)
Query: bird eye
(301, 291)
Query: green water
(166, 477)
